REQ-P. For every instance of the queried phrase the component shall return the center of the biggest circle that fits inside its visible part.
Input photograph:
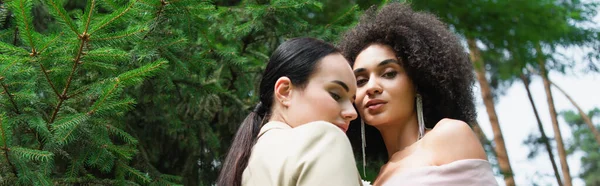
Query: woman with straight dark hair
(296, 133)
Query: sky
(517, 119)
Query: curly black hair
(431, 54)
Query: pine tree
(63, 101)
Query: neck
(400, 134)
(277, 114)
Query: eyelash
(335, 96)
(390, 74)
(361, 82)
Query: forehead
(373, 55)
(335, 67)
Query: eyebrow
(382, 63)
(342, 84)
(387, 61)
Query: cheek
(402, 94)
(326, 104)
(361, 94)
(360, 101)
(321, 105)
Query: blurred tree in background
(583, 141)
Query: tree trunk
(558, 137)
(544, 138)
(587, 119)
(482, 137)
(486, 94)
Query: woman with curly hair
(413, 74)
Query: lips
(374, 104)
(342, 126)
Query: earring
(420, 116)
(364, 144)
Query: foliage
(583, 141)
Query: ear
(283, 90)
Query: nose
(349, 113)
(373, 87)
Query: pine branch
(60, 11)
(50, 42)
(298, 5)
(65, 127)
(170, 178)
(136, 76)
(108, 55)
(89, 16)
(5, 148)
(343, 16)
(208, 41)
(70, 121)
(114, 18)
(172, 43)
(84, 38)
(32, 154)
(128, 78)
(143, 152)
(55, 112)
(118, 36)
(15, 37)
(12, 50)
(48, 79)
(39, 130)
(234, 77)
(84, 88)
(5, 58)
(136, 173)
(92, 181)
(76, 163)
(97, 158)
(122, 134)
(98, 104)
(122, 151)
(23, 10)
(158, 14)
(111, 4)
(10, 97)
(196, 85)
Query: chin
(375, 120)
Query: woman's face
(385, 93)
(328, 96)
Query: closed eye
(335, 96)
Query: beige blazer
(316, 153)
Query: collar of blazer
(272, 125)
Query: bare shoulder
(451, 140)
